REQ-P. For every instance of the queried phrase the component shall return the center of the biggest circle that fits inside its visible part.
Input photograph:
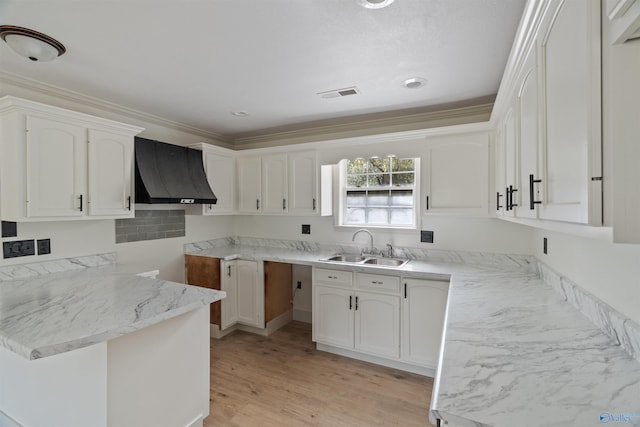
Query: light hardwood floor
(281, 380)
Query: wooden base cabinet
(423, 309)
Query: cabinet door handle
(427, 200)
(257, 204)
(498, 206)
(129, 202)
(511, 191)
(532, 200)
(80, 202)
(284, 204)
(405, 291)
(356, 303)
(229, 270)
(507, 195)
(314, 203)
(350, 302)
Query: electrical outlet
(9, 229)
(426, 236)
(299, 284)
(544, 245)
(18, 248)
(44, 246)
(306, 228)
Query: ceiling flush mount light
(31, 44)
(414, 83)
(375, 4)
(240, 113)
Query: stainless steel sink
(347, 258)
(367, 260)
(386, 262)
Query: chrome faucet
(389, 250)
(372, 250)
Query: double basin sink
(367, 260)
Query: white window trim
(340, 189)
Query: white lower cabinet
(243, 281)
(423, 308)
(372, 314)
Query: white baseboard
(396, 364)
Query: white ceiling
(196, 61)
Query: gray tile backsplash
(151, 225)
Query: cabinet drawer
(333, 277)
(376, 281)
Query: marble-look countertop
(515, 352)
(46, 314)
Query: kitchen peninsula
(89, 342)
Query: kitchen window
(379, 191)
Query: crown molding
(92, 102)
(366, 127)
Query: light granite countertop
(515, 352)
(43, 313)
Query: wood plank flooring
(281, 380)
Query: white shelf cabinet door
(220, 170)
(56, 168)
(572, 144)
(333, 316)
(275, 184)
(377, 324)
(456, 174)
(510, 162)
(229, 284)
(250, 281)
(303, 183)
(528, 131)
(423, 311)
(249, 188)
(110, 171)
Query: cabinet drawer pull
(332, 277)
(532, 200)
(80, 202)
(376, 282)
(314, 203)
(350, 302)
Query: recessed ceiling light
(240, 113)
(375, 4)
(414, 83)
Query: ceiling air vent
(339, 92)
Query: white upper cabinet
(303, 183)
(278, 184)
(57, 164)
(220, 168)
(56, 173)
(455, 171)
(572, 146)
(110, 170)
(527, 135)
(549, 117)
(625, 19)
(249, 188)
(275, 184)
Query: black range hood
(167, 173)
